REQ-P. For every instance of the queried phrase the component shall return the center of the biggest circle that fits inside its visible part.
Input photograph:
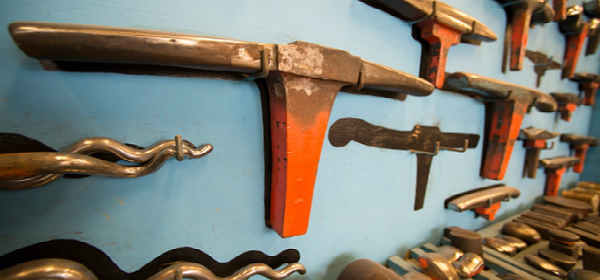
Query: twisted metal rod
(30, 170)
(61, 269)
(50, 269)
(199, 272)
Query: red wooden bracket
(518, 40)
(440, 39)
(590, 90)
(580, 152)
(488, 213)
(506, 118)
(560, 10)
(566, 111)
(536, 144)
(572, 51)
(553, 178)
(299, 120)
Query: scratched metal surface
(363, 196)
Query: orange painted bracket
(580, 144)
(506, 118)
(566, 111)
(302, 91)
(532, 156)
(440, 39)
(555, 168)
(590, 90)
(567, 104)
(298, 124)
(560, 10)
(589, 84)
(572, 51)
(534, 140)
(506, 106)
(580, 152)
(521, 15)
(488, 213)
(518, 38)
(553, 178)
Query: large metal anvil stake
(303, 80)
(534, 140)
(506, 105)
(575, 30)
(555, 168)
(580, 144)
(521, 14)
(441, 26)
(589, 84)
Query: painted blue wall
(363, 196)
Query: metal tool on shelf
(580, 145)
(440, 26)
(506, 105)
(534, 140)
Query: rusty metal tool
(506, 105)
(541, 64)
(567, 104)
(588, 84)
(593, 37)
(555, 168)
(560, 10)
(425, 141)
(534, 140)
(485, 201)
(302, 78)
(521, 14)
(440, 26)
(575, 30)
(592, 8)
(580, 145)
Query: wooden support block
(400, 266)
(429, 248)
(415, 253)
(446, 241)
(518, 265)
(487, 275)
(503, 267)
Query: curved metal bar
(30, 170)
(50, 269)
(199, 272)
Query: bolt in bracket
(580, 144)
(506, 105)
(534, 140)
(555, 168)
(440, 26)
(567, 104)
(560, 10)
(588, 84)
(303, 80)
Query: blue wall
(363, 200)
